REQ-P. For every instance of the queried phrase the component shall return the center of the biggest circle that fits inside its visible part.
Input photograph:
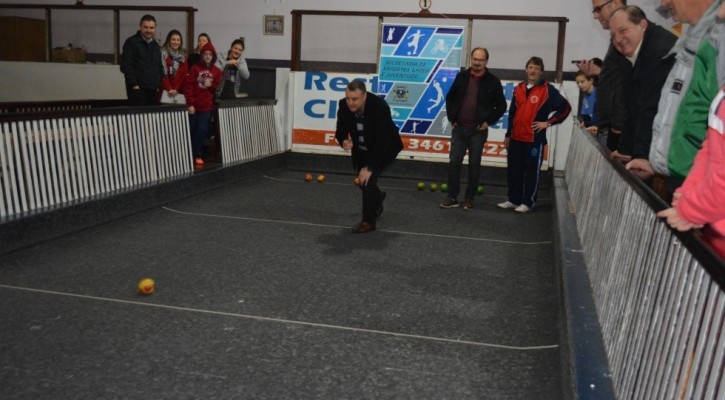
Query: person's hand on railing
(675, 221)
(623, 158)
(192, 110)
(640, 168)
(592, 129)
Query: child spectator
(588, 119)
(173, 58)
(201, 84)
(234, 68)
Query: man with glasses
(474, 103)
(615, 70)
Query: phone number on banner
(443, 146)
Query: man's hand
(364, 175)
(592, 129)
(589, 68)
(481, 127)
(347, 144)
(620, 157)
(192, 110)
(506, 142)
(641, 168)
(540, 126)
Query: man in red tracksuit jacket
(536, 105)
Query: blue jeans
(199, 125)
(462, 140)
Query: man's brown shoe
(363, 227)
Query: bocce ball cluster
(443, 187)
(420, 186)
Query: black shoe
(380, 206)
(363, 227)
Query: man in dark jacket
(365, 127)
(474, 103)
(646, 46)
(141, 65)
(614, 71)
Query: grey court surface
(263, 293)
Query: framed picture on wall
(274, 25)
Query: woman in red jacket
(173, 58)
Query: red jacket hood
(207, 47)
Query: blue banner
(417, 67)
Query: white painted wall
(34, 81)
(225, 20)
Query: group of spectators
(659, 103)
(167, 74)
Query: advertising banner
(417, 67)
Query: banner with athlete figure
(417, 67)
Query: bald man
(646, 46)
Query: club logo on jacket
(203, 76)
(534, 99)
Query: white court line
(346, 227)
(283, 321)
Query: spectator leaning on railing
(699, 201)
(681, 121)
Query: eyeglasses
(598, 9)
(480, 59)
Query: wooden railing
(658, 293)
(54, 158)
(49, 159)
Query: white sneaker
(522, 209)
(507, 204)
